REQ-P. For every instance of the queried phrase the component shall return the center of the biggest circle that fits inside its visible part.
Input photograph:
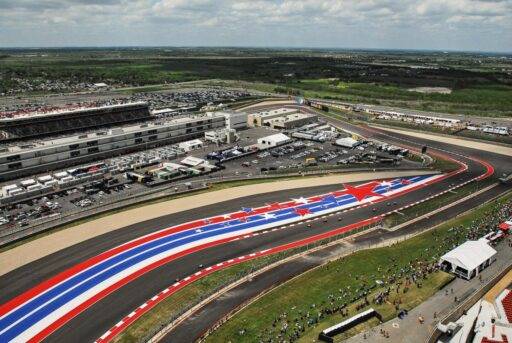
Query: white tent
(273, 140)
(347, 142)
(191, 145)
(468, 259)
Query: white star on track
(199, 230)
(269, 215)
(386, 184)
(226, 216)
(301, 200)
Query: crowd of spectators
(393, 279)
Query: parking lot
(296, 156)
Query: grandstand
(48, 154)
(44, 124)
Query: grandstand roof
(65, 111)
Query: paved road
(98, 318)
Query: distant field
(480, 85)
(490, 100)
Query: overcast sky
(483, 25)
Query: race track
(76, 301)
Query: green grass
(477, 100)
(347, 278)
(477, 89)
(414, 297)
(443, 165)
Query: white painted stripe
(105, 335)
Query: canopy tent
(468, 259)
(347, 142)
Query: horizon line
(247, 47)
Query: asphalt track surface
(101, 316)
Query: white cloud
(487, 24)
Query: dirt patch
(497, 149)
(430, 90)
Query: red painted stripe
(68, 316)
(47, 284)
(43, 286)
(61, 321)
(172, 290)
(107, 291)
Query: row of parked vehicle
(303, 154)
(22, 218)
(84, 202)
(287, 149)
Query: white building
(221, 136)
(61, 175)
(468, 259)
(347, 142)
(28, 183)
(194, 144)
(273, 141)
(45, 178)
(165, 112)
(197, 163)
(10, 190)
(234, 120)
(259, 118)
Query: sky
(470, 25)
